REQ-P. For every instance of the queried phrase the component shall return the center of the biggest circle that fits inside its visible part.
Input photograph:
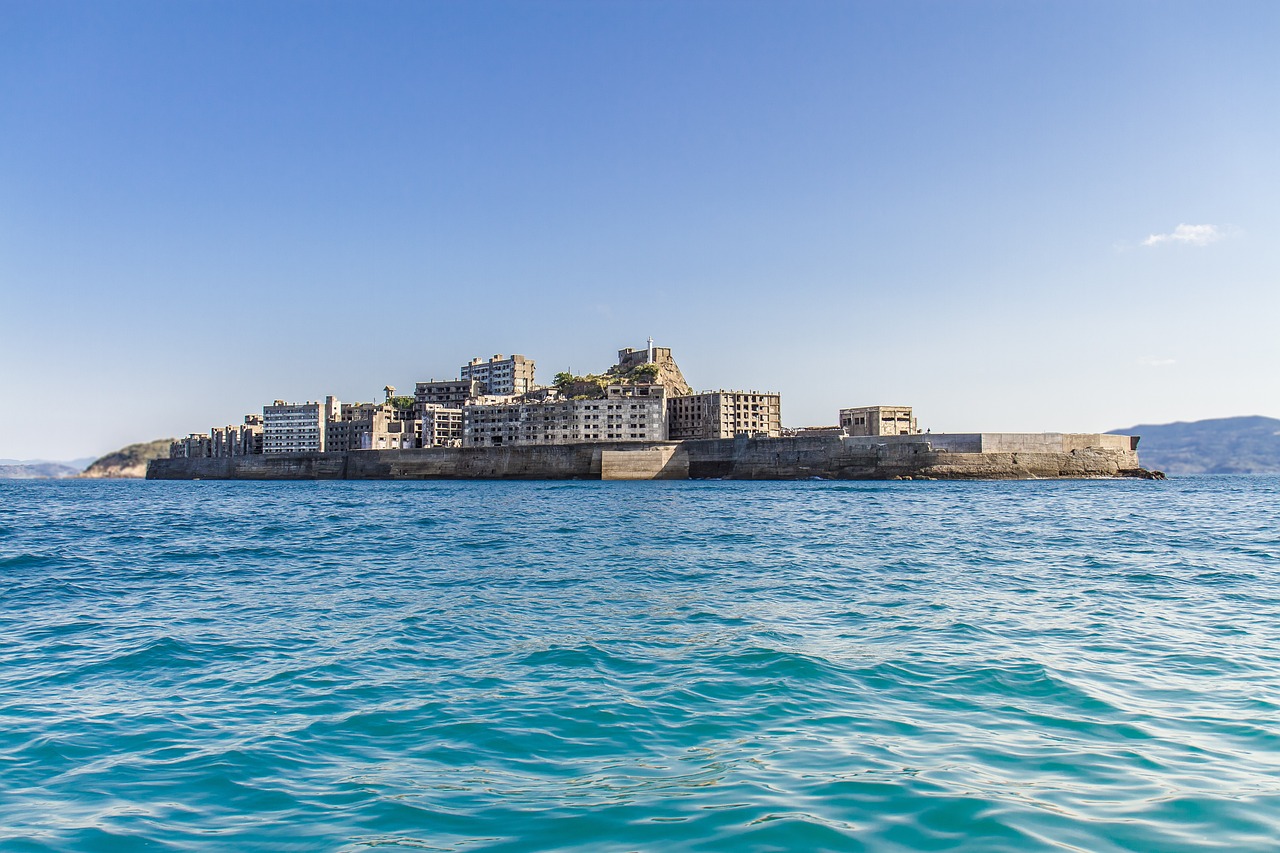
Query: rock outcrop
(128, 462)
(635, 365)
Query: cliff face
(129, 462)
(669, 375)
(667, 372)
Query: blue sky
(1013, 216)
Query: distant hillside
(36, 471)
(129, 461)
(1247, 445)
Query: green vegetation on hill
(1244, 445)
(592, 386)
(129, 461)
(588, 387)
(644, 373)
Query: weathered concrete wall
(1006, 442)
(558, 462)
(1050, 442)
(899, 456)
(825, 456)
(668, 462)
(956, 442)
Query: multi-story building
(297, 427)
(501, 375)
(235, 440)
(725, 414)
(194, 446)
(878, 420)
(625, 413)
(440, 426)
(373, 426)
(451, 393)
(244, 439)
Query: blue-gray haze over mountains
(40, 469)
(1243, 445)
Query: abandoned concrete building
(501, 375)
(878, 420)
(725, 414)
(625, 413)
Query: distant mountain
(128, 461)
(78, 464)
(34, 470)
(1246, 445)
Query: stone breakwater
(970, 456)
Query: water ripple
(618, 666)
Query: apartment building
(450, 393)
(501, 375)
(243, 439)
(725, 414)
(625, 413)
(440, 426)
(373, 426)
(194, 446)
(297, 427)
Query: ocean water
(641, 666)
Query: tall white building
(501, 376)
(296, 427)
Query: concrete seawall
(830, 456)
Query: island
(638, 420)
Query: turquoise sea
(1022, 666)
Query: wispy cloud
(1149, 361)
(1189, 235)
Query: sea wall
(828, 456)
